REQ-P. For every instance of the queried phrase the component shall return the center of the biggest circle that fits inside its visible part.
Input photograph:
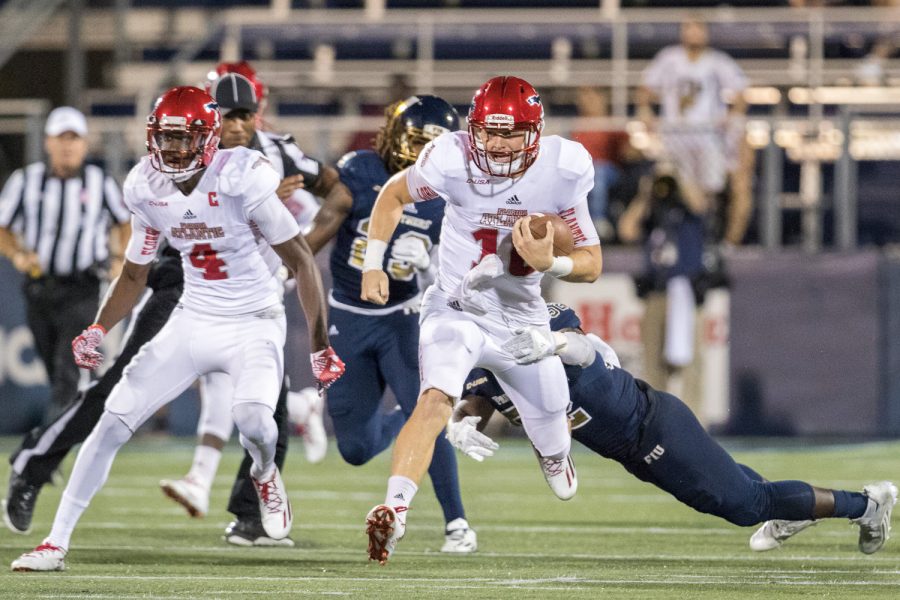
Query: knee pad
(354, 452)
(447, 352)
(255, 422)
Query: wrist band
(374, 259)
(562, 266)
(98, 326)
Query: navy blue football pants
(677, 455)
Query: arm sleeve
(731, 77)
(11, 199)
(654, 73)
(424, 179)
(144, 242)
(275, 222)
(310, 168)
(576, 214)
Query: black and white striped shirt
(65, 221)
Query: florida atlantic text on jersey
(215, 228)
(481, 211)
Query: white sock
(206, 463)
(400, 493)
(67, 515)
(89, 473)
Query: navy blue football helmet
(410, 124)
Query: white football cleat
(45, 557)
(274, 506)
(875, 524)
(459, 538)
(773, 533)
(306, 412)
(385, 528)
(560, 475)
(249, 533)
(193, 496)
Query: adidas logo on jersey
(333, 330)
(514, 200)
(188, 215)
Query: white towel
(681, 310)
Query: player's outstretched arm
(337, 201)
(123, 294)
(298, 257)
(385, 216)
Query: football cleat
(251, 533)
(560, 475)
(305, 411)
(773, 533)
(188, 493)
(384, 528)
(459, 538)
(875, 524)
(45, 557)
(274, 506)
(18, 506)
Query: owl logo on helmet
(510, 108)
(183, 132)
(409, 125)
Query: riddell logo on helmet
(500, 120)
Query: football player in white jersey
(210, 206)
(240, 105)
(694, 85)
(488, 284)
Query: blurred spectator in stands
(398, 88)
(668, 218)
(871, 71)
(694, 85)
(608, 146)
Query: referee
(55, 219)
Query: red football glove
(327, 366)
(84, 347)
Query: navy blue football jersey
(606, 406)
(364, 173)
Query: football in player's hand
(563, 242)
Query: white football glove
(609, 355)
(465, 437)
(531, 344)
(470, 298)
(413, 250)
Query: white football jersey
(481, 210)
(693, 91)
(216, 228)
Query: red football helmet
(501, 106)
(241, 68)
(183, 131)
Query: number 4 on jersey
(204, 257)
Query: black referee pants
(58, 309)
(44, 448)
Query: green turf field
(618, 538)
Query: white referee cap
(63, 119)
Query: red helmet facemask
(183, 132)
(505, 107)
